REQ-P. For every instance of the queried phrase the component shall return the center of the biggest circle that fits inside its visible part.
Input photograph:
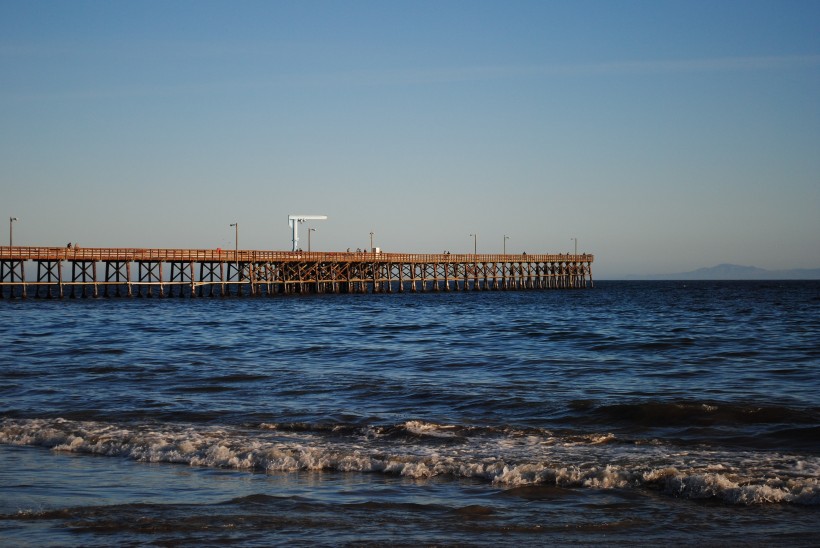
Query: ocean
(659, 413)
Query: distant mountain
(738, 272)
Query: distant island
(738, 272)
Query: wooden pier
(58, 272)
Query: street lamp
(505, 243)
(11, 230)
(371, 241)
(309, 231)
(236, 242)
(475, 243)
(576, 245)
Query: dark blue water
(632, 412)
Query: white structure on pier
(293, 222)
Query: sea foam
(510, 460)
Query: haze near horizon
(664, 136)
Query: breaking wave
(504, 456)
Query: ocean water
(635, 412)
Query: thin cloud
(759, 63)
(478, 73)
(420, 77)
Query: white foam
(590, 461)
(430, 429)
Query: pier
(57, 272)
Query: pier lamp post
(11, 230)
(236, 243)
(309, 231)
(576, 245)
(505, 243)
(371, 241)
(475, 243)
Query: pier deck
(93, 272)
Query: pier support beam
(210, 274)
(182, 276)
(49, 273)
(117, 273)
(149, 274)
(13, 275)
(83, 273)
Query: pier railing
(103, 254)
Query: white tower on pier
(293, 222)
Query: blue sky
(664, 136)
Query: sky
(661, 136)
